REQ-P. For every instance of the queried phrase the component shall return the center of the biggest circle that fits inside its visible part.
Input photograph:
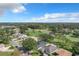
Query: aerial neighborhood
(35, 39)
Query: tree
(29, 44)
(75, 48)
(62, 42)
(36, 53)
(53, 29)
(46, 37)
(6, 31)
(4, 39)
(75, 34)
(23, 28)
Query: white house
(3, 48)
(20, 36)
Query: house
(46, 48)
(63, 52)
(3, 48)
(41, 45)
(20, 36)
(50, 48)
(14, 42)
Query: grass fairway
(72, 38)
(5, 53)
(32, 32)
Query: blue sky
(39, 12)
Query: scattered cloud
(14, 7)
(58, 17)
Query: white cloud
(19, 9)
(14, 7)
(58, 17)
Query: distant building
(8, 27)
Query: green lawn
(34, 32)
(57, 40)
(72, 38)
(5, 53)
